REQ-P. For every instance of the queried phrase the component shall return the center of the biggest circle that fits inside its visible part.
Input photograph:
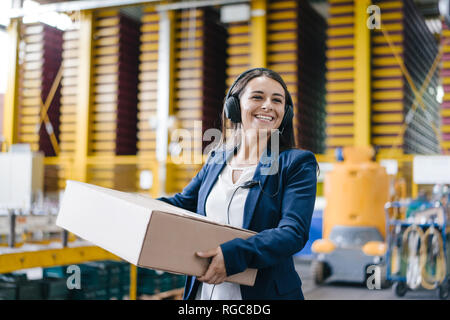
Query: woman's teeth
(264, 118)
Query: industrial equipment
(417, 255)
(25, 214)
(355, 191)
(22, 177)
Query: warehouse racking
(296, 50)
(402, 43)
(103, 80)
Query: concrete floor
(350, 291)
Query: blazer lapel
(216, 165)
(267, 166)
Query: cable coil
(429, 281)
(411, 246)
(416, 252)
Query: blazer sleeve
(270, 246)
(187, 199)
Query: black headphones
(232, 105)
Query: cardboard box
(144, 231)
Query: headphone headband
(232, 104)
(239, 77)
(243, 74)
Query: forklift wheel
(320, 271)
(400, 288)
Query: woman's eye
(277, 100)
(256, 97)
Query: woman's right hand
(216, 272)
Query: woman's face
(262, 104)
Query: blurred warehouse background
(99, 92)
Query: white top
(216, 208)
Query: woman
(270, 190)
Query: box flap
(157, 205)
(108, 218)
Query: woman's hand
(216, 272)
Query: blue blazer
(281, 215)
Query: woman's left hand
(216, 272)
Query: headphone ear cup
(233, 109)
(288, 115)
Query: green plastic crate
(146, 284)
(89, 294)
(55, 288)
(99, 280)
(179, 280)
(118, 277)
(93, 276)
(30, 290)
(25, 289)
(125, 279)
(8, 291)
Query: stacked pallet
(147, 88)
(199, 88)
(114, 109)
(116, 48)
(388, 80)
(214, 70)
(238, 54)
(41, 61)
(69, 92)
(392, 96)
(421, 51)
(148, 78)
(282, 47)
(103, 116)
(445, 75)
(340, 75)
(312, 81)
(238, 51)
(296, 50)
(52, 46)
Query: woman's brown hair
(286, 136)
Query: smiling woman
(234, 187)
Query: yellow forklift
(354, 223)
